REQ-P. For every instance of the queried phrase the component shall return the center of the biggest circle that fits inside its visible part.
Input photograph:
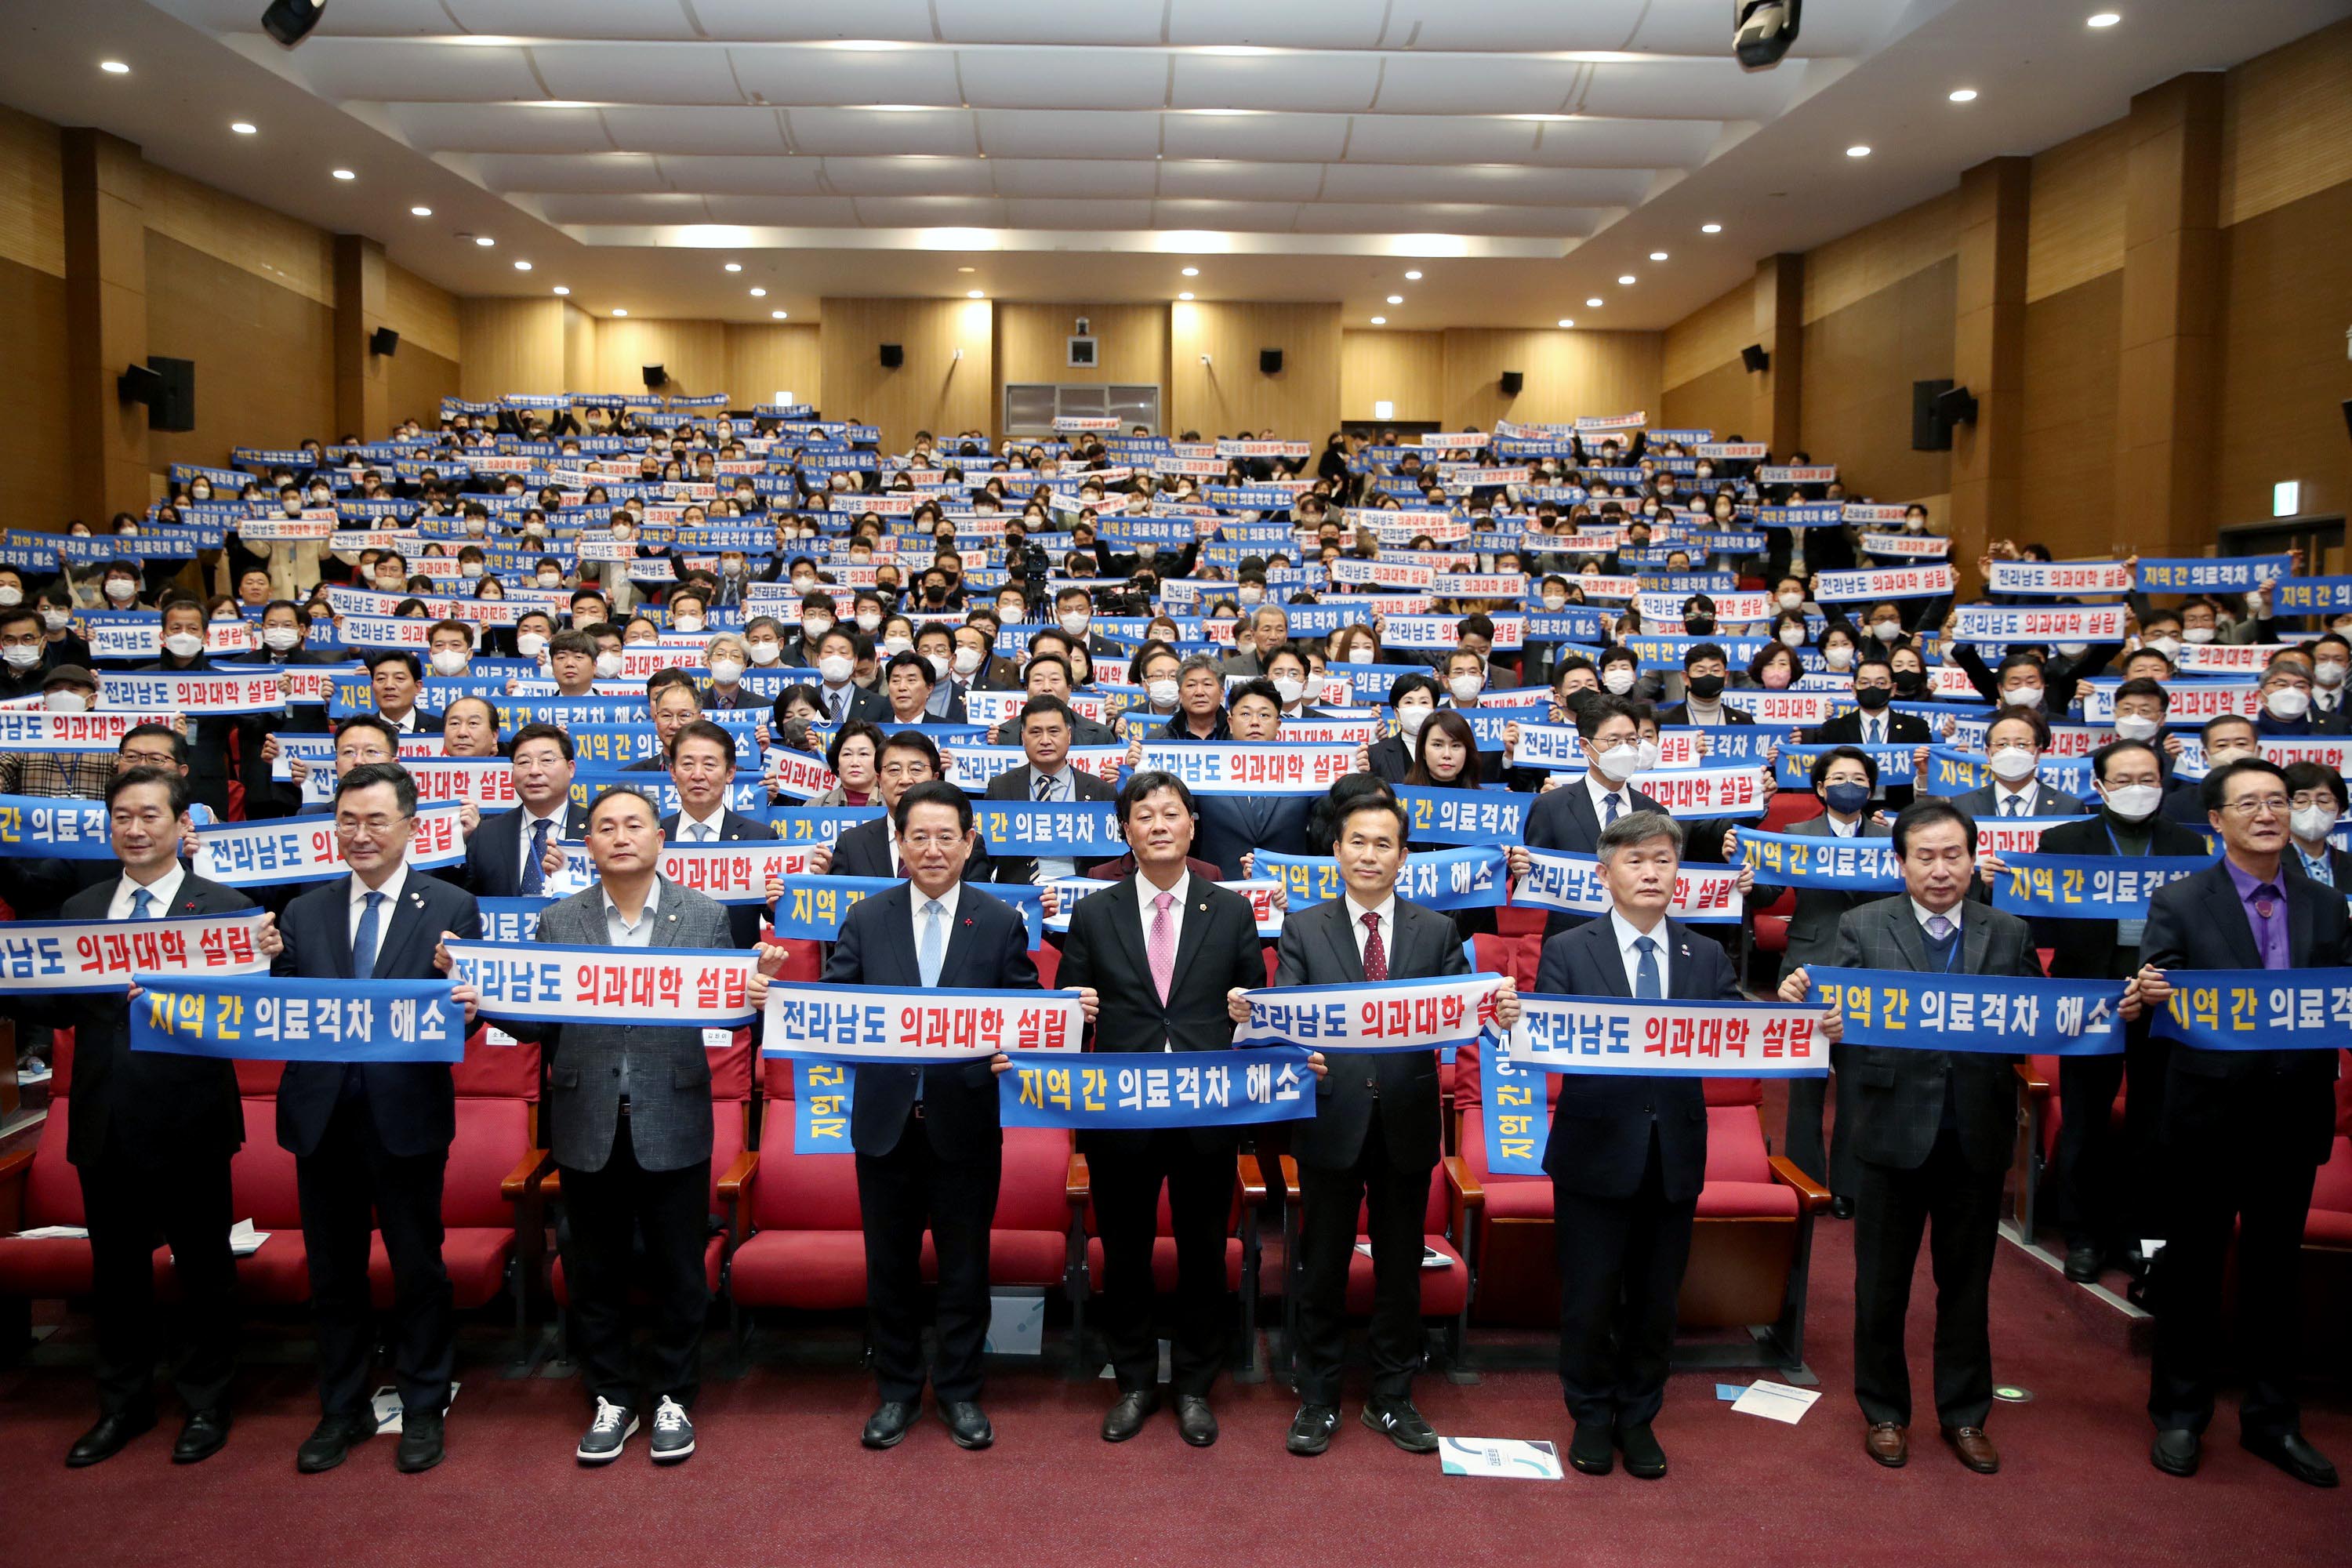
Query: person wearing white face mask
(1572, 817)
(837, 659)
(2106, 1179)
(2285, 692)
(2013, 748)
(1412, 698)
(728, 656)
(1073, 612)
(763, 642)
(2332, 661)
(449, 647)
(2316, 803)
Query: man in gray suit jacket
(1933, 1132)
(628, 1106)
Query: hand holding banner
(2257, 1009)
(269, 1018)
(545, 983)
(1377, 1016)
(873, 1023)
(1691, 1039)
(2004, 1014)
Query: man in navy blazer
(370, 1142)
(1627, 1154)
(1574, 816)
(496, 865)
(929, 1149)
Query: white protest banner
(1376, 1016)
(548, 984)
(1251, 767)
(2060, 577)
(2193, 701)
(731, 872)
(485, 782)
(802, 775)
(102, 955)
(2014, 623)
(1562, 879)
(1886, 583)
(40, 730)
(2226, 659)
(194, 692)
(304, 848)
(1730, 608)
(1695, 1039)
(872, 1024)
(1352, 572)
(1915, 546)
(1709, 791)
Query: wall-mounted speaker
(1957, 406)
(1928, 434)
(137, 383)
(174, 407)
(1269, 361)
(1512, 380)
(893, 356)
(384, 341)
(1754, 357)
(656, 376)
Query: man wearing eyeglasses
(2245, 1132)
(370, 1142)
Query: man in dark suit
(1374, 1135)
(182, 653)
(2244, 1132)
(838, 654)
(2106, 1183)
(1705, 671)
(2013, 746)
(630, 1105)
(1627, 1155)
(1844, 779)
(151, 1136)
(1047, 727)
(1572, 816)
(871, 849)
(1235, 826)
(702, 766)
(398, 681)
(1932, 1138)
(1389, 758)
(1870, 722)
(1165, 951)
(373, 1139)
(929, 1145)
(671, 704)
(514, 853)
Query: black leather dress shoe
(1195, 1422)
(421, 1446)
(888, 1424)
(1592, 1451)
(966, 1424)
(1840, 1207)
(331, 1440)
(111, 1434)
(2082, 1263)
(1311, 1429)
(1126, 1418)
(2174, 1452)
(1643, 1458)
(2294, 1455)
(1403, 1424)
(206, 1434)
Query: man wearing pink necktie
(1164, 949)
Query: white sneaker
(614, 1424)
(673, 1433)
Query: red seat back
(1787, 807)
(1049, 964)
(52, 1186)
(492, 1134)
(261, 1176)
(497, 1072)
(804, 1192)
(1735, 1142)
(1035, 1191)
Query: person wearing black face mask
(1698, 616)
(1872, 724)
(1705, 671)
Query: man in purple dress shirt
(2243, 1131)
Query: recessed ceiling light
(1626, 279)
(1412, 277)
(1185, 296)
(1710, 228)
(967, 269)
(1396, 299)
(1857, 151)
(2103, 19)
(734, 267)
(344, 175)
(1594, 302)
(976, 294)
(1379, 321)
(561, 289)
(114, 67)
(522, 267)
(242, 127)
(420, 211)
(1568, 321)
(484, 240)
(1191, 272)
(759, 293)
(776, 315)
(620, 312)
(1657, 256)
(1963, 95)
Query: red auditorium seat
(1787, 808)
(2329, 1226)
(39, 1187)
(1241, 1245)
(1752, 1248)
(1444, 1293)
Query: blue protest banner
(54, 829)
(1064, 829)
(512, 919)
(822, 1094)
(2087, 887)
(1463, 816)
(2000, 1014)
(1517, 1128)
(1795, 768)
(271, 1018)
(1189, 1088)
(2257, 1009)
(1477, 877)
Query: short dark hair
(1256, 686)
(570, 639)
(174, 783)
(1603, 708)
(1844, 755)
(144, 732)
(661, 680)
(932, 792)
(1382, 802)
(2205, 734)
(1929, 812)
(2301, 776)
(1046, 703)
(2109, 752)
(2018, 713)
(554, 732)
(2216, 782)
(910, 660)
(864, 727)
(399, 656)
(375, 721)
(1404, 686)
(623, 792)
(2142, 686)
(367, 775)
(703, 729)
(1147, 782)
(1698, 652)
(911, 740)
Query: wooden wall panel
(1567, 374)
(2286, 277)
(515, 346)
(264, 354)
(1720, 401)
(1715, 332)
(2286, 124)
(2075, 230)
(32, 194)
(424, 314)
(36, 480)
(932, 390)
(1230, 394)
(1874, 258)
(1407, 369)
(2067, 479)
(576, 329)
(1859, 364)
(420, 380)
(284, 251)
(1131, 344)
(693, 354)
(779, 356)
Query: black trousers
(349, 1188)
(1399, 1203)
(605, 1211)
(2106, 1180)
(1620, 1268)
(1960, 1210)
(898, 1195)
(1802, 1140)
(2266, 1190)
(126, 1199)
(1125, 1184)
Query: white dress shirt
(1387, 912)
(392, 889)
(716, 824)
(164, 891)
(1843, 830)
(1627, 934)
(1600, 793)
(2023, 794)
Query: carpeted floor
(780, 1478)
